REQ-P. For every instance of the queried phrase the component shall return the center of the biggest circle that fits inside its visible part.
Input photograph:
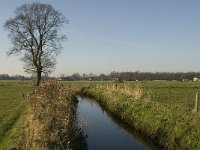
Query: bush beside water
(52, 119)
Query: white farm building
(195, 79)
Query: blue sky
(118, 35)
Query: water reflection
(104, 132)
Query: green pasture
(179, 95)
(12, 106)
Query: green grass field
(172, 94)
(12, 106)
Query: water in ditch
(106, 133)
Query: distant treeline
(14, 77)
(124, 76)
(134, 76)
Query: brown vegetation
(51, 118)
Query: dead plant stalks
(137, 91)
(52, 118)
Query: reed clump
(52, 118)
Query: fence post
(196, 103)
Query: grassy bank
(162, 111)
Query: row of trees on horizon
(133, 76)
(13, 77)
(124, 76)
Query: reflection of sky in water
(102, 132)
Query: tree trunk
(39, 77)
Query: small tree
(34, 34)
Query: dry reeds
(134, 91)
(51, 122)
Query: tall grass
(52, 119)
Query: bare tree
(34, 34)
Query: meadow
(12, 107)
(173, 94)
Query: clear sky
(118, 35)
